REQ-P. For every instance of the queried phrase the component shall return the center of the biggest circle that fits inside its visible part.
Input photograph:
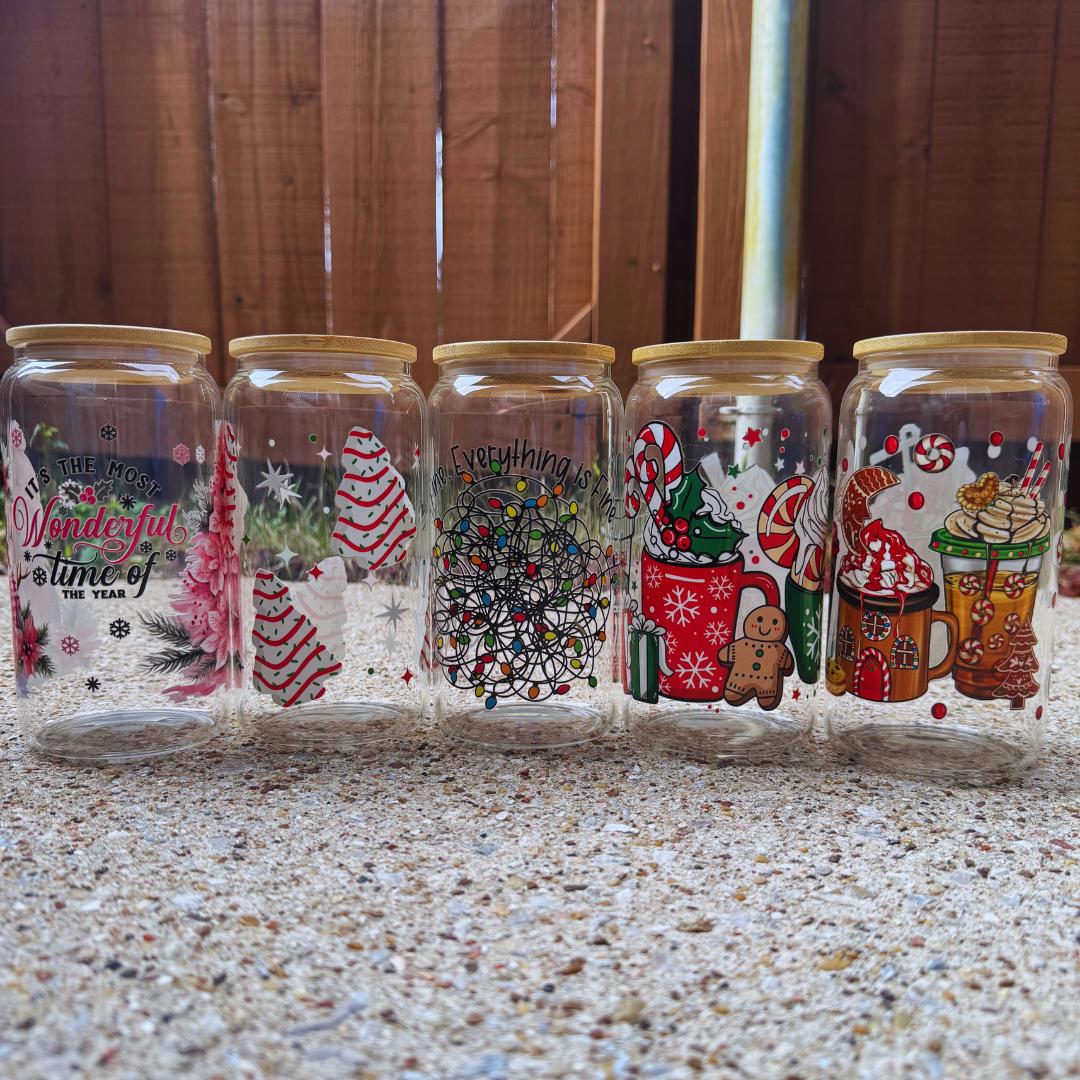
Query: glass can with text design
(525, 574)
(727, 512)
(121, 521)
(331, 434)
(953, 452)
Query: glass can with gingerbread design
(726, 513)
(525, 575)
(120, 500)
(330, 436)
(953, 456)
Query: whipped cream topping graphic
(886, 565)
(1011, 517)
(812, 524)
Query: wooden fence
(434, 170)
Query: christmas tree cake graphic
(376, 522)
(292, 663)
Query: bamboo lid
(101, 334)
(326, 343)
(1030, 341)
(523, 350)
(731, 348)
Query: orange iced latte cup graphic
(991, 556)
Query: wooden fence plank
(497, 168)
(574, 160)
(992, 83)
(725, 93)
(630, 220)
(163, 242)
(869, 141)
(1057, 304)
(267, 129)
(380, 61)
(54, 217)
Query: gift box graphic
(646, 659)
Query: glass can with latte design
(953, 456)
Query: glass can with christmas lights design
(953, 454)
(331, 454)
(526, 491)
(121, 511)
(726, 513)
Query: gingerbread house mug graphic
(882, 650)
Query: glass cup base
(526, 727)
(930, 752)
(721, 737)
(119, 736)
(345, 726)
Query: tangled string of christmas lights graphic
(521, 591)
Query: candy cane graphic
(1033, 464)
(1037, 486)
(643, 473)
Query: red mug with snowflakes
(699, 606)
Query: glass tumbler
(953, 451)
(727, 512)
(331, 433)
(525, 583)
(121, 571)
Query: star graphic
(388, 645)
(279, 484)
(285, 555)
(778, 464)
(407, 677)
(393, 612)
(733, 470)
(245, 539)
(752, 436)
(315, 572)
(324, 454)
(800, 468)
(416, 452)
(796, 694)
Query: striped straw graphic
(1041, 480)
(1033, 464)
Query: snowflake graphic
(672, 644)
(718, 633)
(127, 502)
(69, 645)
(146, 547)
(172, 554)
(811, 634)
(652, 577)
(40, 576)
(107, 432)
(119, 628)
(47, 545)
(200, 454)
(16, 436)
(93, 685)
(721, 588)
(181, 454)
(664, 684)
(696, 670)
(681, 605)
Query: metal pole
(774, 169)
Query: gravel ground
(442, 912)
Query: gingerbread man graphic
(759, 660)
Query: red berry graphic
(683, 543)
(938, 710)
(668, 536)
(682, 525)
(996, 438)
(916, 500)
(892, 444)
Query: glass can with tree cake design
(726, 519)
(120, 513)
(331, 454)
(525, 561)
(953, 459)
